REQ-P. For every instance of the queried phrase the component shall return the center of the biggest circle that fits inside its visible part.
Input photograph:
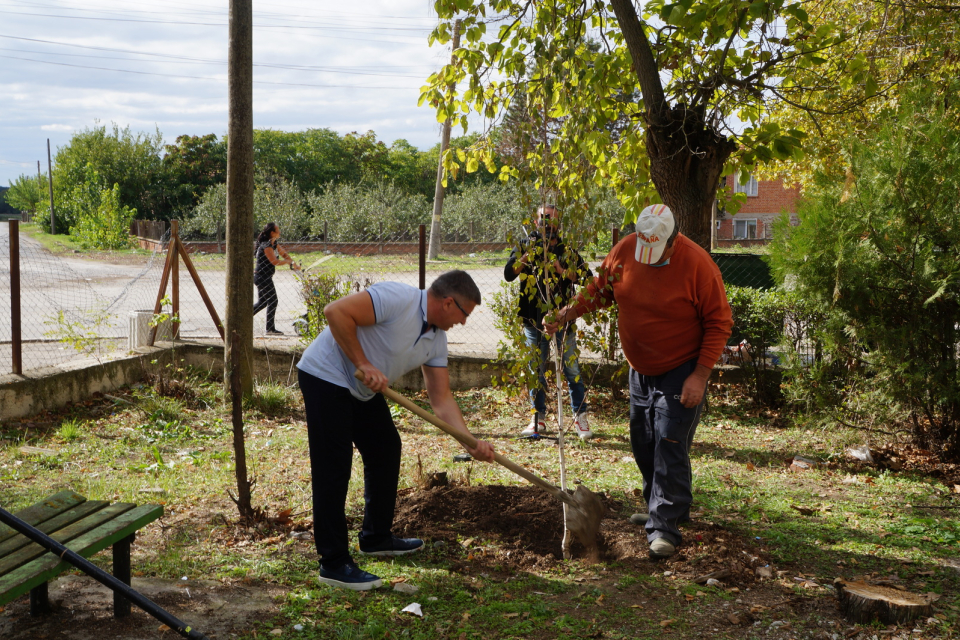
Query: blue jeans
(661, 432)
(541, 359)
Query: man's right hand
(552, 323)
(373, 378)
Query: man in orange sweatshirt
(674, 321)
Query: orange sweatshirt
(668, 315)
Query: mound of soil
(510, 528)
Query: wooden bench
(85, 527)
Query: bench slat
(52, 525)
(21, 580)
(93, 520)
(42, 511)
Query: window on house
(750, 188)
(745, 229)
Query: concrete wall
(55, 387)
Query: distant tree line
(312, 182)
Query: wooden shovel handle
(469, 441)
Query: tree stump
(863, 603)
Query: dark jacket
(532, 302)
(264, 269)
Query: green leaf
(676, 14)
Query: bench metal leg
(121, 571)
(39, 600)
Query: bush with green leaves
(320, 289)
(758, 324)
(108, 225)
(879, 251)
(28, 194)
(366, 211)
(120, 157)
(274, 200)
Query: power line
(172, 75)
(223, 63)
(216, 24)
(208, 60)
(193, 9)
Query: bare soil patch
(82, 609)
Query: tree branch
(645, 66)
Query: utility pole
(434, 249)
(39, 189)
(53, 220)
(239, 315)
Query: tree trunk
(239, 315)
(862, 603)
(435, 230)
(686, 156)
(686, 160)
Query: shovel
(585, 508)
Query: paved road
(65, 294)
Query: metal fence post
(423, 256)
(175, 281)
(17, 339)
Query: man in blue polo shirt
(384, 332)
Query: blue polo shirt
(395, 345)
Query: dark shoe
(640, 518)
(393, 547)
(661, 548)
(274, 332)
(350, 576)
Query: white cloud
(66, 65)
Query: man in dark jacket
(552, 266)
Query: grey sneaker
(640, 518)
(661, 548)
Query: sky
(352, 65)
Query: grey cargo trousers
(661, 432)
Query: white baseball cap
(655, 225)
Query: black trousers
(336, 421)
(661, 432)
(267, 297)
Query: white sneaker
(582, 426)
(537, 425)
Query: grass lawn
(782, 534)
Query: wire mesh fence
(77, 307)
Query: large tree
(190, 167)
(705, 71)
(119, 157)
(896, 42)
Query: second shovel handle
(468, 440)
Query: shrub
(318, 290)
(107, 225)
(358, 212)
(758, 318)
(877, 250)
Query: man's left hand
(482, 452)
(694, 387)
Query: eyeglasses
(465, 314)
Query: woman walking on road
(269, 257)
